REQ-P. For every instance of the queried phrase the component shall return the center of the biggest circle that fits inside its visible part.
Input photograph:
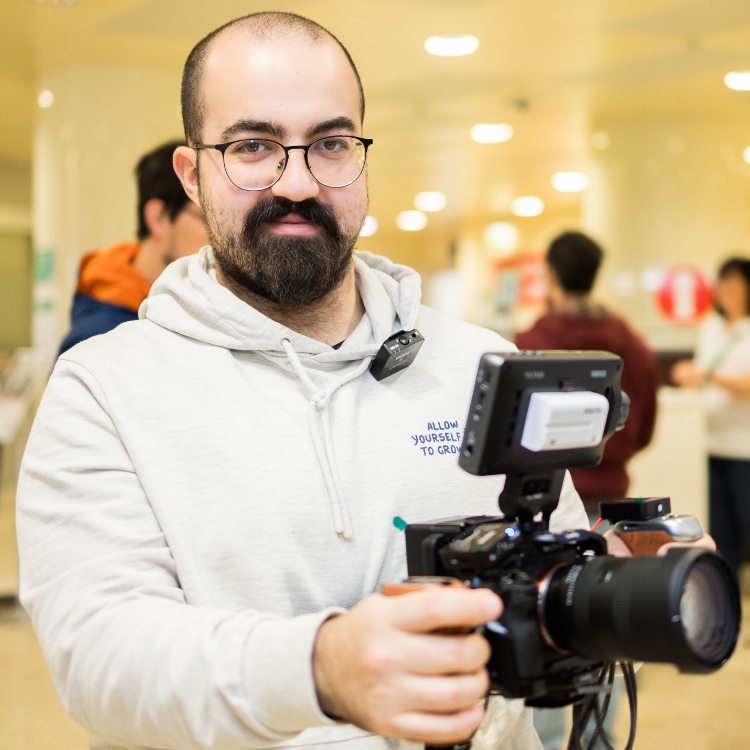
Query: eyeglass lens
(257, 164)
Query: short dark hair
(263, 24)
(156, 178)
(736, 266)
(575, 258)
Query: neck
(571, 303)
(150, 261)
(329, 320)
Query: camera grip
(645, 542)
(417, 583)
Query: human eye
(251, 149)
(334, 147)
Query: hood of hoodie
(188, 300)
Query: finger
(705, 542)
(437, 654)
(438, 729)
(434, 608)
(446, 693)
(616, 546)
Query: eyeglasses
(257, 163)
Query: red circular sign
(685, 295)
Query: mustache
(275, 208)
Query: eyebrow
(336, 123)
(276, 130)
(256, 126)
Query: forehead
(291, 81)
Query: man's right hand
(382, 666)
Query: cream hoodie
(203, 487)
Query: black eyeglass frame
(222, 147)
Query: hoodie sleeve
(132, 661)
(570, 513)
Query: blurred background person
(112, 282)
(574, 320)
(721, 367)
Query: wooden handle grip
(644, 542)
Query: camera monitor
(541, 411)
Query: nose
(296, 182)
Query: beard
(292, 272)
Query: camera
(571, 610)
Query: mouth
(293, 225)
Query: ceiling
(556, 70)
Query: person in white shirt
(721, 367)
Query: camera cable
(592, 707)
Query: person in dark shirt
(576, 321)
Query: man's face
(292, 242)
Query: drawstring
(320, 428)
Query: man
(576, 321)
(207, 501)
(114, 281)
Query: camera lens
(682, 609)
(404, 340)
(704, 610)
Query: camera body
(570, 608)
(492, 552)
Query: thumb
(437, 607)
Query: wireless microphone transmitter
(396, 353)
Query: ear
(184, 160)
(156, 218)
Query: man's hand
(382, 667)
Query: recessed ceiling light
(411, 221)
(430, 201)
(45, 99)
(527, 205)
(451, 46)
(570, 182)
(738, 80)
(369, 227)
(492, 133)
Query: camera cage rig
(532, 416)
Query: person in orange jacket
(113, 281)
